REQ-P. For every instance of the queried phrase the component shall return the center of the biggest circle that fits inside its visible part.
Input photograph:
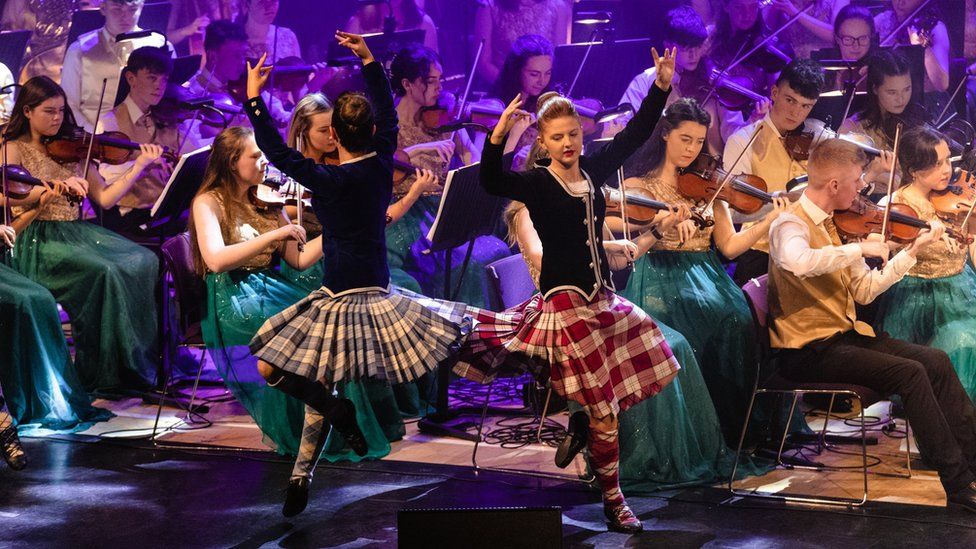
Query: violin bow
(297, 189)
(623, 212)
(736, 62)
(891, 183)
(729, 173)
(98, 116)
(909, 19)
(196, 115)
(586, 55)
(6, 206)
(938, 123)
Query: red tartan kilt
(606, 354)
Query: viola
(18, 174)
(865, 217)
(700, 181)
(109, 147)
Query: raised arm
(318, 178)
(495, 179)
(380, 95)
(639, 129)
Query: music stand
(381, 44)
(179, 191)
(466, 212)
(13, 44)
(153, 17)
(613, 62)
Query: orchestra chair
(509, 284)
(767, 382)
(190, 295)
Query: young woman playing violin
(680, 280)
(42, 386)
(578, 328)
(104, 282)
(416, 80)
(356, 326)
(935, 304)
(926, 29)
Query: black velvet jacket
(570, 226)
(350, 200)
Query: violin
(734, 92)
(178, 105)
(402, 170)
(18, 174)
(955, 203)
(641, 208)
(865, 217)
(800, 142)
(109, 147)
(268, 198)
(288, 74)
(700, 181)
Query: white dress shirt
(789, 247)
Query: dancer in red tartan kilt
(599, 349)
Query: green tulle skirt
(413, 270)
(238, 302)
(41, 386)
(938, 312)
(675, 439)
(692, 293)
(107, 286)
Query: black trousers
(749, 265)
(941, 413)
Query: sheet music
(174, 176)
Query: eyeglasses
(864, 40)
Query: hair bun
(543, 98)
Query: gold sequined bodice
(43, 167)
(410, 135)
(247, 224)
(667, 192)
(935, 260)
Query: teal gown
(105, 283)
(42, 389)
(935, 304)
(410, 268)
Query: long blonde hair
(301, 118)
(220, 179)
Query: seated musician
(889, 102)
(98, 55)
(147, 73)
(813, 28)
(685, 30)
(793, 97)
(854, 39)
(925, 29)
(226, 48)
(814, 283)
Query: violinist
(41, 384)
(104, 282)
(793, 96)
(685, 30)
(680, 280)
(741, 27)
(147, 74)
(854, 39)
(225, 44)
(935, 304)
(98, 56)
(888, 103)
(234, 241)
(675, 437)
(814, 283)
(925, 29)
(264, 37)
(415, 75)
(813, 30)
